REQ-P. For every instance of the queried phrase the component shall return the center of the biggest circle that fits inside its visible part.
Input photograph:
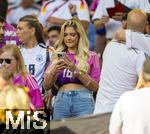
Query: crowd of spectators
(73, 58)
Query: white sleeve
(138, 41)
(98, 12)
(145, 5)
(102, 8)
(83, 14)
(116, 119)
(46, 11)
(140, 62)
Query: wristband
(88, 83)
(74, 14)
(77, 72)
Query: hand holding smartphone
(61, 54)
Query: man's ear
(124, 24)
(147, 29)
(33, 31)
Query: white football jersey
(35, 61)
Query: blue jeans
(74, 103)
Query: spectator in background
(77, 73)
(3, 8)
(33, 48)
(121, 66)
(102, 19)
(101, 16)
(7, 32)
(14, 99)
(57, 12)
(134, 39)
(100, 33)
(11, 59)
(53, 35)
(93, 6)
(10, 94)
(12, 4)
(131, 112)
(26, 7)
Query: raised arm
(134, 40)
(138, 41)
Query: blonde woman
(6, 77)
(77, 71)
(10, 94)
(11, 59)
(8, 102)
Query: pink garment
(10, 36)
(66, 76)
(93, 5)
(34, 91)
(94, 66)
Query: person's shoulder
(131, 93)
(12, 8)
(29, 76)
(125, 96)
(93, 55)
(9, 27)
(42, 45)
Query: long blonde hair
(82, 54)
(12, 97)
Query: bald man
(135, 39)
(121, 66)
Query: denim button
(72, 93)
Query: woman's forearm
(98, 24)
(49, 80)
(88, 81)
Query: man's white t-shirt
(131, 113)
(16, 14)
(120, 70)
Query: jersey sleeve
(34, 92)
(94, 66)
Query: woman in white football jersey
(33, 48)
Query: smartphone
(61, 54)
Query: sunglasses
(8, 61)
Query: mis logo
(20, 119)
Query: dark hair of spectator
(34, 23)
(148, 18)
(3, 8)
(2, 19)
(55, 27)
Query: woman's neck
(30, 44)
(72, 50)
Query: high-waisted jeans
(74, 103)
